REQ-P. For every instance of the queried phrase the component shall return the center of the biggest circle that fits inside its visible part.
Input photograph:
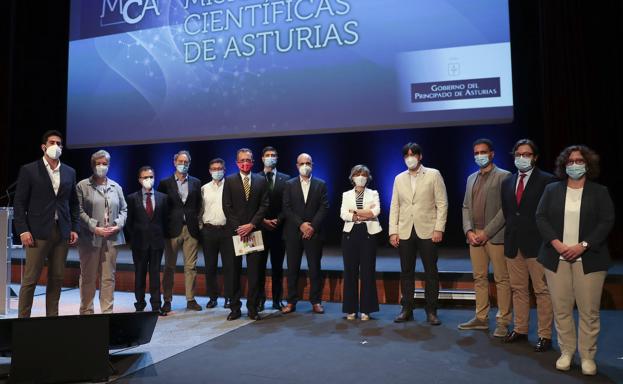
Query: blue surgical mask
(576, 171)
(217, 175)
(182, 168)
(523, 164)
(482, 160)
(270, 162)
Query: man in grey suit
(483, 225)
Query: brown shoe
(317, 308)
(288, 308)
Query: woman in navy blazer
(574, 218)
(360, 210)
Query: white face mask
(270, 162)
(411, 162)
(101, 170)
(360, 181)
(54, 152)
(305, 170)
(148, 183)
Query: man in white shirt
(47, 220)
(417, 220)
(213, 234)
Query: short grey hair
(359, 168)
(98, 155)
(182, 152)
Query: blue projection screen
(144, 71)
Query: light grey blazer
(494, 217)
(93, 204)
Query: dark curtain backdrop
(567, 81)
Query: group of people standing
(535, 229)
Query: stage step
(449, 294)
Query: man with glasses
(184, 200)
(521, 194)
(47, 218)
(245, 202)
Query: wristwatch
(584, 244)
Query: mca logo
(126, 11)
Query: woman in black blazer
(574, 218)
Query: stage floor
(306, 348)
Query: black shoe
(211, 303)
(161, 312)
(227, 303)
(140, 307)
(514, 336)
(254, 316)
(193, 305)
(404, 316)
(432, 319)
(277, 304)
(166, 308)
(543, 345)
(233, 315)
(260, 307)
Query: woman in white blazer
(360, 210)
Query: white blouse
(573, 202)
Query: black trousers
(313, 250)
(214, 241)
(232, 270)
(147, 261)
(359, 252)
(428, 251)
(273, 244)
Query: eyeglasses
(525, 155)
(577, 161)
(245, 161)
(146, 177)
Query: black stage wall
(567, 81)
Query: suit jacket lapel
(43, 172)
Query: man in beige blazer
(483, 225)
(417, 220)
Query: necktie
(149, 208)
(269, 178)
(520, 188)
(247, 187)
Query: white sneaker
(351, 316)
(564, 362)
(365, 317)
(588, 367)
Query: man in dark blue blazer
(47, 220)
(184, 200)
(272, 229)
(305, 205)
(146, 227)
(245, 202)
(520, 197)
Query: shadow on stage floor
(306, 348)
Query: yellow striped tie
(247, 187)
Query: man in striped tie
(245, 203)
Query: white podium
(6, 244)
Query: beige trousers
(97, 262)
(190, 247)
(480, 257)
(55, 250)
(523, 270)
(568, 286)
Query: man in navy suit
(47, 219)
(521, 194)
(272, 229)
(146, 226)
(305, 205)
(184, 200)
(245, 202)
